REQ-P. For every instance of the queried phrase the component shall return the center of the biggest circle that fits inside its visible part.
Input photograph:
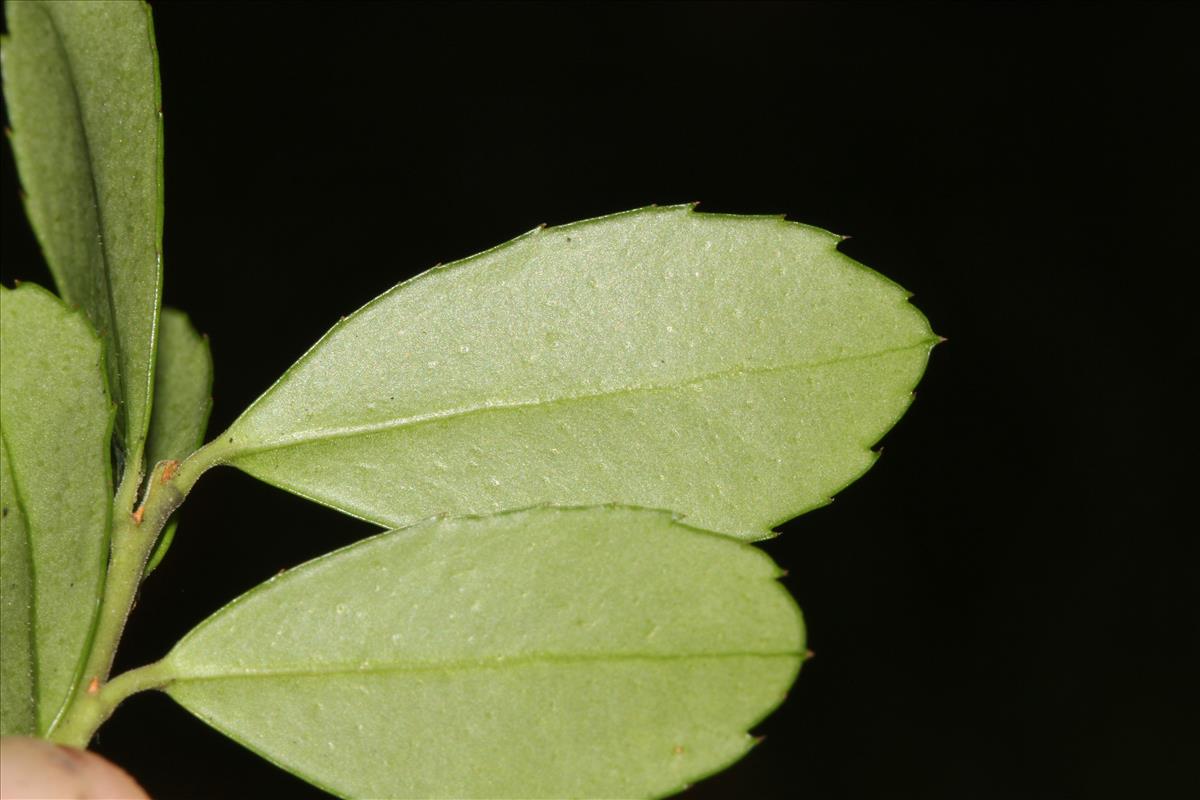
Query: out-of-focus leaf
(81, 83)
(55, 498)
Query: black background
(1006, 605)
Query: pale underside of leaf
(81, 84)
(734, 369)
(182, 402)
(55, 423)
(603, 652)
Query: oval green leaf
(81, 83)
(182, 401)
(602, 652)
(737, 370)
(55, 493)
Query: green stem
(134, 533)
(89, 710)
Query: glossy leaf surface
(55, 420)
(182, 401)
(734, 369)
(81, 83)
(602, 652)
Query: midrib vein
(480, 664)
(350, 431)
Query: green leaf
(55, 424)
(182, 390)
(18, 695)
(182, 402)
(734, 369)
(81, 81)
(600, 652)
